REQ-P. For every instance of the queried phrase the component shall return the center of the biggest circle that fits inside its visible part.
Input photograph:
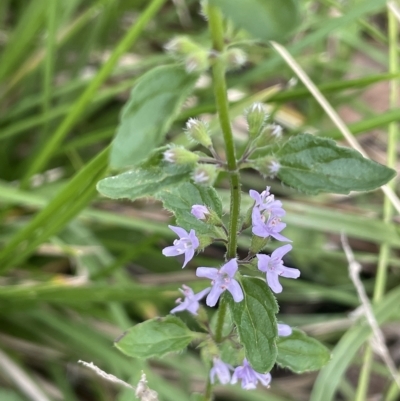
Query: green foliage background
(78, 269)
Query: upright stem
(218, 71)
(385, 249)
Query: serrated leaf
(301, 353)
(263, 19)
(313, 164)
(153, 105)
(180, 199)
(255, 321)
(151, 177)
(155, 338)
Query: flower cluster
(266, 214)
(266, 221)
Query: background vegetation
(78, 269)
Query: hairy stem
(219, 82)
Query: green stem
(208, 396)
(216, 28)
(219, 82)
(385, 250)
(220, 321)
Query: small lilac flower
(191, 301)
(250, 377)
(222, 279)
(200, 212)
(266, 202)
(169, 156)
(187, 243)
(284, 330)
(272, 227)
(274, 167)
(221, 370)
(273, 266)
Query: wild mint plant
(238, 334)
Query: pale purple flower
(221, 370)
(250, 377)
(200, 212)
(187, 243)
(169, 156)
(274, 167)
(272, 227)
(265, 202)
(284, 330)
(273, 266)
(191, 301)
(222, 279)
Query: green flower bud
(235, 58)
(256, 119)
(181, 45)
(268, 166)
(270, 133)
(197, 61)
(180, 155)
(198, 131)
(205, 174)
(257, 244)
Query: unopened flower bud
(235, 58)
(200, 212)
(267, 166)
(205, 174)
(181, 45)
(256, 118)
(198, 131)
(269, 134)
(197, 61)
(208, 216)
(180, 155)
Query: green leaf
(313, 164)
(263, 19)
(154, 103)
(301, 353)
(148, 179)
(180, 199)
(155, 338)
(255, 321)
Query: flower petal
(171, 251)
(280, 252)
(289, 272)
(193, 307)
(273, 282)
(265, 378)
(193, 238)
(202, 294)
(255, 195)
(179, 231)
(230, 268)
(260, 231)
(236, 290)
(189, 253)
(284, 330)
(207, 272)
(263, 262)
(214, 295)
(280, 237)
(181, 307)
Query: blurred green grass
(77, 270)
